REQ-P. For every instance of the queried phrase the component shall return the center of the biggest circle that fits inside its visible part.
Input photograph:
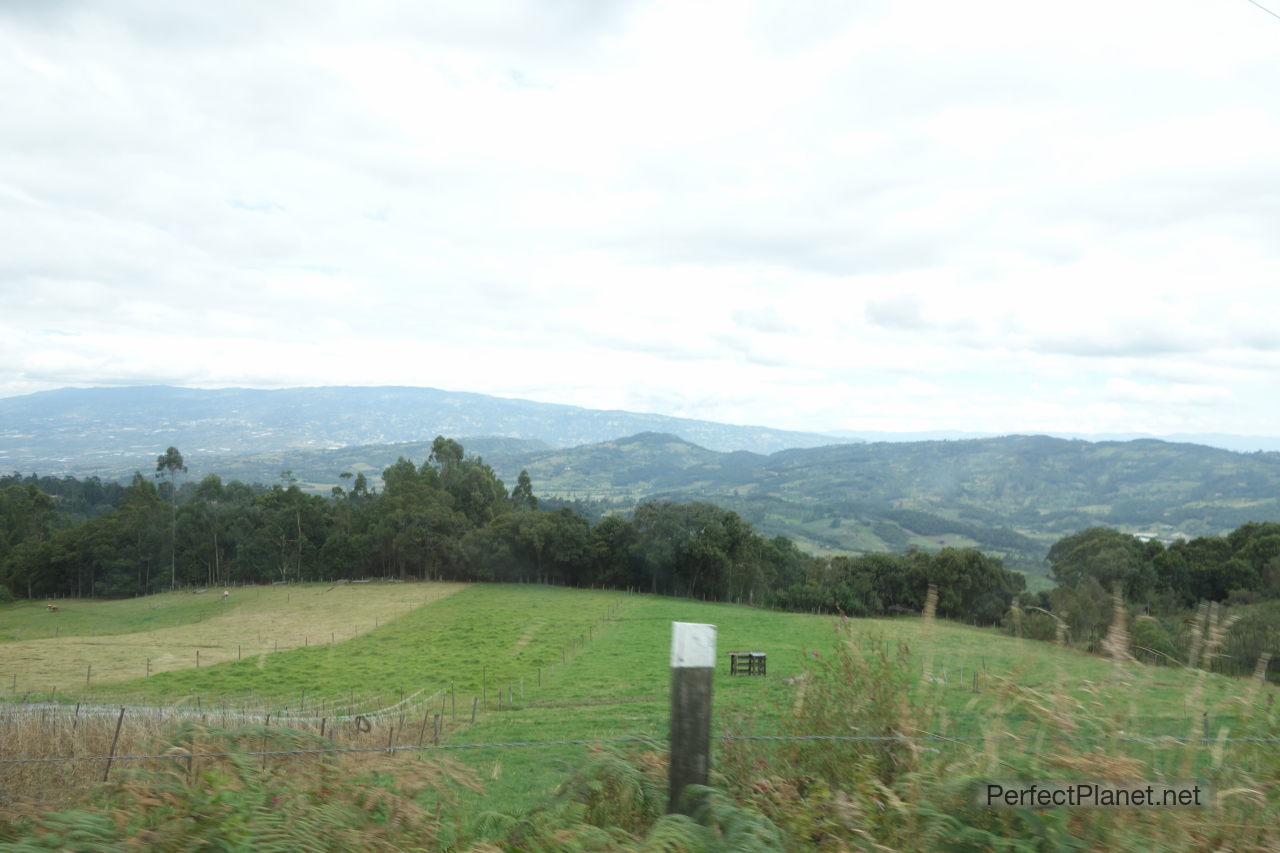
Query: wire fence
(334, 711)
(651, 741)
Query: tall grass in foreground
(241, 802)
(49, 731)
(903, 794)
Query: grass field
(40, 650)
(550, 664)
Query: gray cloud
(900, 311)
(1140, 343)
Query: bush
(1152, 642)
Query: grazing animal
(52, 608)
(226, 593)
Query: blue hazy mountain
(81, 430)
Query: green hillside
(1013, 495)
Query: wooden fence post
(111, 754)
(693, 666)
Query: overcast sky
(989, 216)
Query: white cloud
(1128, 391)
(916, 387)
(856, 217)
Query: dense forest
(448, 518)
(1167, 588)
(452, 518)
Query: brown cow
(52, 608)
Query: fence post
(693, 666)
(112, 752)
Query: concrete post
(693, 666)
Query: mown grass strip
(480, 640)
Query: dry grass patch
(44, 733)
(254, 621)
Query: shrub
(1152, 643)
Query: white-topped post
(693, 666)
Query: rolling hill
(1013, 495)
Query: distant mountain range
(1012, 495)
(118, 429)
(100, 430)
(1225, 441)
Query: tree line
(1163, 587)
(448, 518)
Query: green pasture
(618, 686)
(31, 620)
(557, 664)
(488, 635)
(91, 643)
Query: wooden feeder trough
(747, 663)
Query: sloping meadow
(547, 672)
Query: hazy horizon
(1227, 441)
